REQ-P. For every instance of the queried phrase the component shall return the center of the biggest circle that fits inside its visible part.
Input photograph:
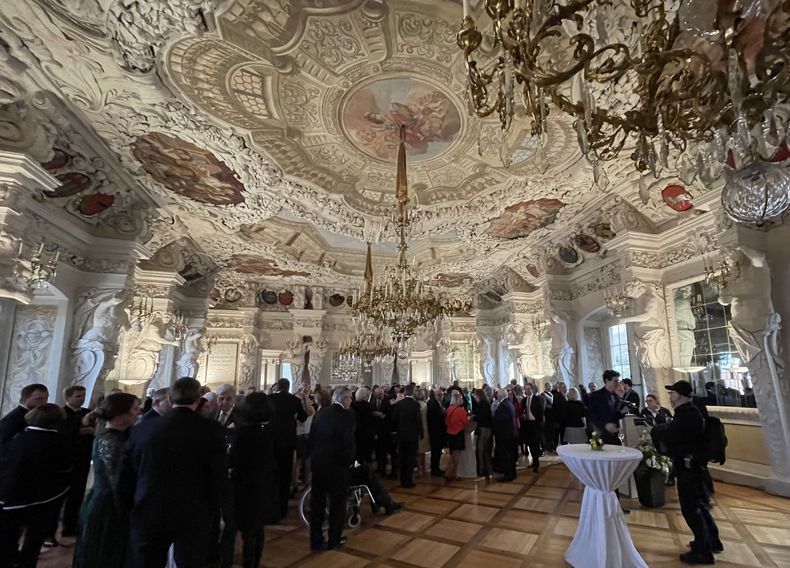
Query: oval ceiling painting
(187, 170)
(533, 270)
(604, 231)
(71, 183)
(677, 197)
(286, 298)
(232, 295)
(587, 243)
(569, 255)
(250, 264)
(59, 159)
(523, 218)
(95, 203)
(267, 297)
(373, 114)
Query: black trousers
(284, 458)
(437, 445)
(364, 449)
(532, 439)
(149, 542)
(332, 485)
(227, 542)
(36, 522)
(503, 457)
(408, 461)
(695, 506)
(252, 545)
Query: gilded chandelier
(693, 87)
(367, 345)
(402, 304)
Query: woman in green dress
(103, 529)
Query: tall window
(618, 347)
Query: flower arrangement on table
(596, 442)
(651, 459)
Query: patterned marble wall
(31, 348)
(593, 344)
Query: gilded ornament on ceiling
(523, 218)
(190, 171)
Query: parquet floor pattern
(526, 523)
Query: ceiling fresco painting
(265, 132)
(188, 170)
(522, 219)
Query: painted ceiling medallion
(523, 218)
(249, 264)
(677, 197)
(373, 114)
(188, 170)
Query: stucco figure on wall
(685, 323)
(294, 355)
(140, 350)
(98, 320)
(755, 328)
(248, 362)
(561, 350)
(650, 335)
(187, 364)
(487, 346)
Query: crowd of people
(178, 477)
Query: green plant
(651, 459)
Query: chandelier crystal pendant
(402, 304)
(687, 88)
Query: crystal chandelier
(367, 345)
(401, 303)
(689, 88)
(617, 303)
(142, 308)
(37, 273)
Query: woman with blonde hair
(456, 420)
(575, 422)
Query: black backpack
(715, 440)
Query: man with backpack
(684, 440)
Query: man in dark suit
(226, 418)
(381, 410)
(532, 417)
(606, 409)
(80, 440)
(437, 431)
(171, 478)
(631, 397)
(408, 432)
(32, 396)
(160, 404)
(505, 435)
(287, 410)
(684, 439)
(332, 453)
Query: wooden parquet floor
(526, 523)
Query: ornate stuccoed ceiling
(265, 132)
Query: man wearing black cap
(684, 439)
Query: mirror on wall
(707, 355)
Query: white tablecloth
(602, 539)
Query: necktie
(530, 416)
(222, 417)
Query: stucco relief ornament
(187, 364)
(651, 340)
(99, 318)
(755, 329)
(561, 350)
(248, 362)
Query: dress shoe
(505, 479)
(535, 469)
(408, 485)
(437, 473)
(697, 558)
(626, 510)
(343, 540)
(715, 547)
(392, 507)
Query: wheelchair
(356, 494)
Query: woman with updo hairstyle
(254, 467)
(103, 530)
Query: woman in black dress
(254, 472)
(103, 530)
